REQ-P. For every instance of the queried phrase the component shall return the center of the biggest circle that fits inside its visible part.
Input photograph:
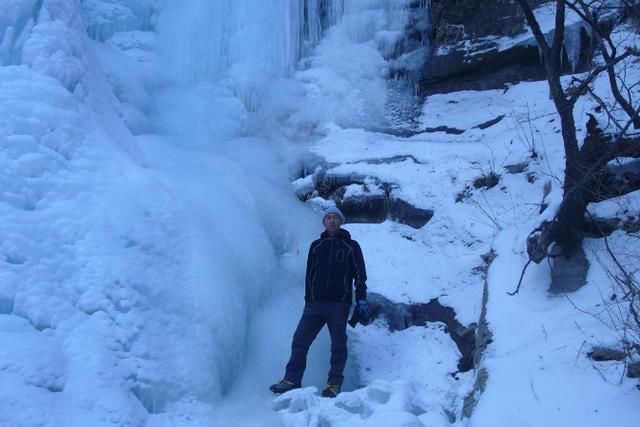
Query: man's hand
(360, 314)
(362, 308)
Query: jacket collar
(342, 234)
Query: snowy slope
(538, 369)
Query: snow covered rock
(362, 198)
(479, 45)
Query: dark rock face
(376, 209)
(375, 205)
(463, 54)
(328, 184)
(400, 316)
(461, 68)
(476, 18)
(606, 354)
(368, 210)
(466, 56)
(405, 213)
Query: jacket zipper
(329, 268)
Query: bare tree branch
(558, 33)
(579, 90)
(609, 53)
(587, 177)
(524, 269)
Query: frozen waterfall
(289, 60)
(149, 200)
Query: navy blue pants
(314, 317)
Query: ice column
(573, 42)
(318, 15)
(206, 40)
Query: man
(334, 263)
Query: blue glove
(362, 308)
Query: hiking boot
(283, 386)
(331, 390)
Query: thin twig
(579, 352)
(533, 390)
(521, 277)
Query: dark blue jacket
(333, 265)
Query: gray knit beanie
(333, 210)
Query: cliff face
(481, 45)
(454, 18)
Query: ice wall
(147, 218)
(303, 62)
(256, 40)
(71, 308)
(346, 78)
(129, 267)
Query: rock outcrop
(399, 316)
(479, 45)
(363, 199)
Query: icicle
(313, 22)
(573, 44)
(316, 17)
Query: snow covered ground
(154, 247)
(539, 373)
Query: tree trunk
(586, 175)
(566, 228)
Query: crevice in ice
(317, 17)
(484, 337)
(151, 398)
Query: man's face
(332, 222)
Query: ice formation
(145, 226)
